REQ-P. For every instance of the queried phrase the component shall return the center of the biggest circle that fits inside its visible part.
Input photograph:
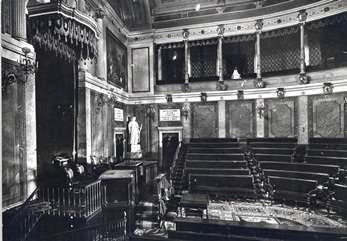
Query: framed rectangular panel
(140, 68)
(116, 61)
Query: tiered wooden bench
(223, 185)
(298, 190)
(273, 149)
(331, 170)
(331, 151)
(218, 171)
(339, 198)
(321, 178)
(211, 164)
(215, 156)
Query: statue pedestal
(135, 152)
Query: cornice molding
(244, 26)
(339, 86)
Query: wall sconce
(261, 108)
(111, 97)
(203, 97)
(151, 111)
(169, 98)
(185, 111)
(280, 93)
(328, 88)
(28, 65)
(240, 95)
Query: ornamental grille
(315, 53)
(240, 55)
(203, 60)
(280, 54)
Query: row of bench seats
(224, 185)
(327, 151)
(283, 178)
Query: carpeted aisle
(275, 214)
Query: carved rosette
(259, 83)
(303, 79)
(186, 88)
(220, 85)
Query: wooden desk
(194, 205)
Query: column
(258, 71)
(187, 124)
(259, 83)
(220, 30)
(260, 120)
(302, 49)
(160, 73)
(221, 119)
(185, 35)
(186, 73)
(101, 59)
(81, 5)
(30, 134)
(84, 129)
(71, 3)
(302, 76)
(19, 30)
(303, 117)
(220, 58)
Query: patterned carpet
(275, 214)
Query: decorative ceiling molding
(245, 26)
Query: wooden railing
(80, 201)
(115, 230)
(174, 162)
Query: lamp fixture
(261, 108)
(151, 111)
(240, 95)
(185, 111)
(203, 97)
(328, 88)
(280, 93)
(29, 66)
(169, 98)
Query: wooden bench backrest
(320, 177)
(221, 171)
(292, 184)
(303, 167)
(215, 156)
(239, 181)
(216, 164)
(340, 192)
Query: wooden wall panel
(205, 120)
(328, 117)
(140, 68)
(240, 120)
(281, 118)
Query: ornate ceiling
(158, 14)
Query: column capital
(259, 25)
(100, 13)
(302, 16)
